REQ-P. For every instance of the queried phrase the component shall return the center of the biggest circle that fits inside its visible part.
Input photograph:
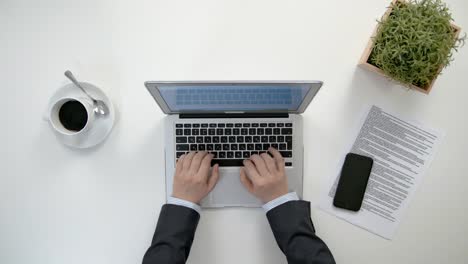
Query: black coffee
(73, 115)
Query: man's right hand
(264, 176)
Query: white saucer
(102, 124)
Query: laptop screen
(233, 97)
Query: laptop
(234, 120)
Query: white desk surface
(59, 205)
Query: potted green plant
(412, 43)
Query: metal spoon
(100, 107)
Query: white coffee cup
(57, 125)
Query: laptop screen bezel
(152, 87)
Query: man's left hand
(192, 179)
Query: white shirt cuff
(292, 196)
(185, 203)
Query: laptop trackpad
(229, 190)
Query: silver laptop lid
(233, 96)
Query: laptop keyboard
(231, 143)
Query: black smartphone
(353, 182)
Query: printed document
(402, 152)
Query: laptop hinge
(234, 115)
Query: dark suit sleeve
(173, 236)
(295, 234)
